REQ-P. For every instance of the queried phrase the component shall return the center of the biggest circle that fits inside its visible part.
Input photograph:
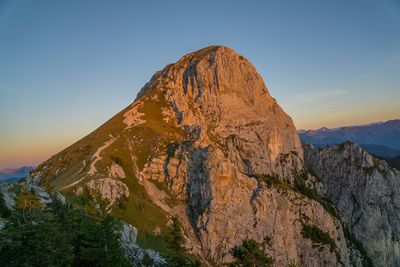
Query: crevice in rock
(198, 189)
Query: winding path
(96, 156)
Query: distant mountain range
(379, 138)
(14, 174)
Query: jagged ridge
(365, 190)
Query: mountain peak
(203, 128)
(214, 67)
(215, 96)
(209, 52)
(220, 92)
(212, 49)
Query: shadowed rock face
(203, 128)
(366, 191)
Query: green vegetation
(137, 210)
(267, 179)
(174, 237)
(117, 160)
(140, 211)
(155, 120)
(367, 262)
(66, 167)
(41, 242)
(147, 141)
(4, 210)
(79, 234)
(28, 203)
(249, 254)
(285, 157)
(132, 149)
(369, 170)
(300, 185)
(293, 263)
(90, 202)
(58, 235)
(376, 166)
(318, 236)
(175, 241)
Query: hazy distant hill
(393, 161)
(380, 138)
(13, 174)
(382, 151)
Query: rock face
(219, 98)
(234, 129)
(206, 142)
(366, 191)
(110, 189)
(134, 253)
(116, 171)
(225, 206)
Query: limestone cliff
(366, 192)
(206, 142)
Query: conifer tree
(249, 254)
(28, 203)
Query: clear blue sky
(68, 66)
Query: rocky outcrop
(8, 195)
(8, 192)
(116, 171)
(136, 255)
(366, 192)
(225, 206)
(109, 189)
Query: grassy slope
(146, 140)
(62, 168)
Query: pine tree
(4, 210)
(249, 254)
(98, 243)
(58, 235)
(41, 242)
(28, 203)
(175, 239)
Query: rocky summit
(205, 142)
